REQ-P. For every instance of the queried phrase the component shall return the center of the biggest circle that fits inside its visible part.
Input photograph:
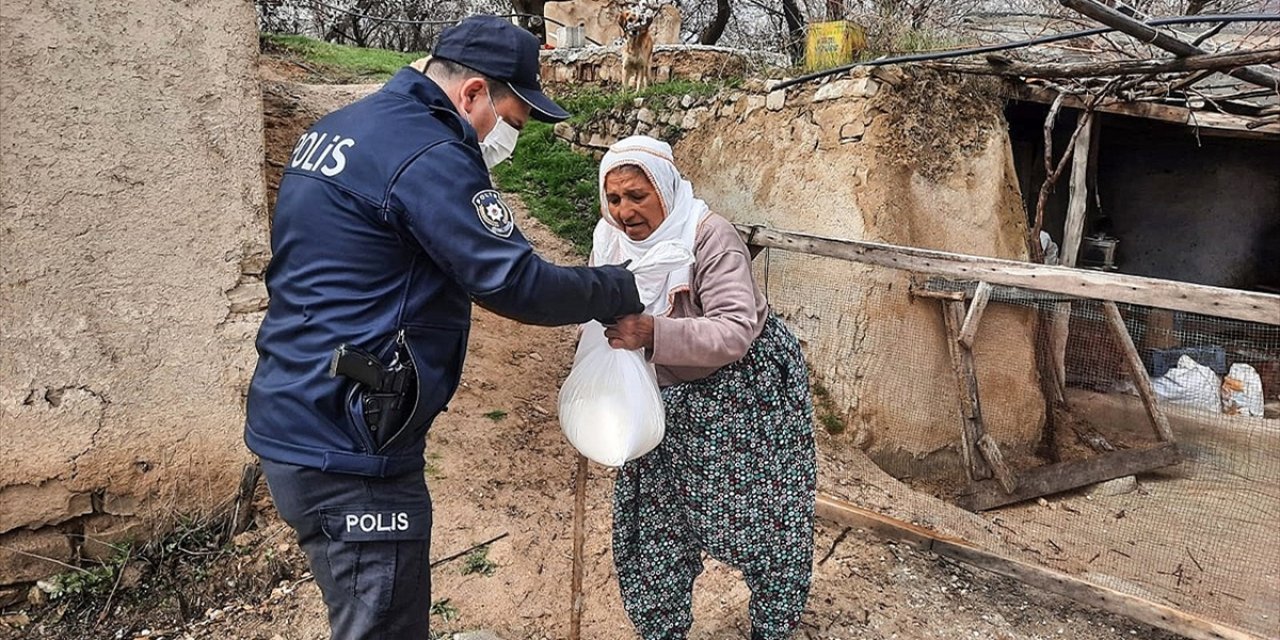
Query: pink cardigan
(714, 323)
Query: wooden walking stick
(579, 515)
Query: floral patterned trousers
(734, 477)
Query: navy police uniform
(385, 230)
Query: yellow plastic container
(832, 44)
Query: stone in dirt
(476, 635)
(1117, 487)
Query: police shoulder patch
(494, 213)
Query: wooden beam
(579, 537)
(1146, 34)
(1138, 372)
(1065, 476)
(1078, 203)
(1005, 476)
(1165, 294)
(966, 393)
(1198, 62)
(1072, 234)
(1206, 123)
(969, 330)
(978, 443)
(1142, 610)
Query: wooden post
(970, 428)
(1072, 234)
(1138, 371)
(969, 330)
(579, 536)
(975, 446)
(980, 446)
(1157, 615)
(1078, 203)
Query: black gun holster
(387, 393)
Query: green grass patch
(367, 64)
(444, 609)
(558, 184)
(824, 406)
(433, 465)
(478, 562)
(555, 182)
(91, 582)
(496, 415)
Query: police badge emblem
(494, 214)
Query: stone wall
(911, 159)
(603, 65)
(133, 246)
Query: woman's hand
(631, 332)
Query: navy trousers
(368, 542)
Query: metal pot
(1099, 252)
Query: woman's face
(633, 202)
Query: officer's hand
(631, 332)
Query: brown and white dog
(637, 47)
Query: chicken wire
(1200, 535)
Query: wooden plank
(969, 330)
(1153, 292)
(967, 393)
(1138, 372)
(843, 513)
(1065, 476)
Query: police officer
(385, 230)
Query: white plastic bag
(1189, 384)
(610, 407)
(1242, 391)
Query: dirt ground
(511, 473)
(499, 466)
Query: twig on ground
(469, 549)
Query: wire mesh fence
(1055, 388)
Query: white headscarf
(611, 245)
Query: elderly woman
(734, 476)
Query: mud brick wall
(133, 235)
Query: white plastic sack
(610, 407)
(1242, 391)
(1189, 384)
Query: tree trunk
(1196, 7)
(795, 30)
(835, 10)
(715, 29)
(533, 20)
